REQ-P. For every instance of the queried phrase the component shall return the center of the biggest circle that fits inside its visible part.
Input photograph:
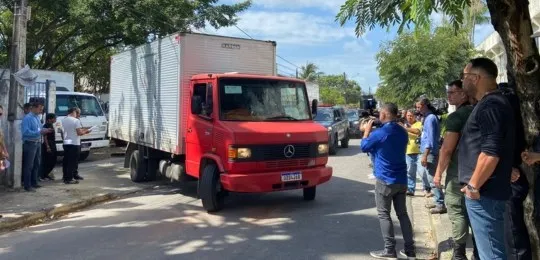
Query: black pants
(48, 160)
(517, 237)
(71, 161)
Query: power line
(240, 29)
(283, 66)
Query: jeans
(412, 169)
(70, 162)
(428, 172)
(31, 163)
(384, 196)
(487, 221)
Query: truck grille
(287, 163)
(278, 151)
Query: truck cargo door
(200, 126)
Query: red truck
(186, 118)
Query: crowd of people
(479, 147)
(39, 146)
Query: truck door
(199, 134)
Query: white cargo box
(149, 88)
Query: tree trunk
(511, 19)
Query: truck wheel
(332, 150)
(84, 155)
(345, 141)
(309, 193)
(210, 189)
(137, 166)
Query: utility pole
(16, 93)
(344, 80)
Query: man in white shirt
(72, 132)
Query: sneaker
(384, 254)
(409, 255)
(78, 178)
(51, 178)
(410, 193)
(37, 186)
(30, 190)
(438, 210)
(71, 182)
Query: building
(494, 48)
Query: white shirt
(70, 125)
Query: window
(88, 105)
(204, 92)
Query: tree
(421, 63)
(335, 90)
(310, 72)
(511, 20)
(71, 35)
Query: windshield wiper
(282, 117)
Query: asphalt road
(169, 223)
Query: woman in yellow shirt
(414, 129)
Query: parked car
(354, 121)
(335, 120)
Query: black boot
(459, 252)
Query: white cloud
(288, 27)
(332, 5)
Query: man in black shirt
(486, 151)
(48, 148)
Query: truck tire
(210, 190)
(309, 193)
(345, 141)
(137, 167)
(84, 155)
(332, 149)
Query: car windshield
(352, 115)
(88, 105)
(262, 100)
(324, 115)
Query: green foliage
(421, 63)
(335, 90)
(310, 72)
(367, 14)
(75, 35)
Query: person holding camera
(387, 146)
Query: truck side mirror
(314, 104)
(196, 105)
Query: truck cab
(248, 133)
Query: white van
(91, 115)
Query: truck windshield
(263, 100)
(89, 105)
(324, 114)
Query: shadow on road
(169, 222)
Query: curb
(433, 229)
(53, 213)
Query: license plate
(85, 145)
(291, 176)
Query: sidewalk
(103, 180)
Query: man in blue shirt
(429, 147)
(387, 146)
(31, 137)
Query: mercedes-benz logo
(288, 151)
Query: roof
(65, 93)
(244, 76)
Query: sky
(306, 31)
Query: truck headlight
(329, 128)
(239, 153)
(323, 149)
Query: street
(169, 222)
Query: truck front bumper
(86, 145)
(272, 181)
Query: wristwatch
(471, 189)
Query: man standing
(72, 132)
(486, 152)
(414, 129)
(448, 162)
(31, 136)
(387, 145)
(48, 149)
(429, 147)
